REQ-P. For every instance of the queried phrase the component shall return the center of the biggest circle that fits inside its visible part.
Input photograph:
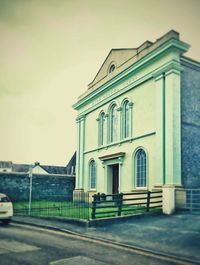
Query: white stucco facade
(148, 80)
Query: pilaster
(80, 152)
(168, 199)
(160, 129)
(168, 120)
(173, 130)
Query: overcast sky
(50, 50)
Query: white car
(6, 209)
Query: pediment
(113, 61)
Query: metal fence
(188, 199)
(102, 205)
(55, 206)
(125, 203)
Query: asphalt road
(23, 245)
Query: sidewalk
(177, 234)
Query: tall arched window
(140, 168)
(113, 123)
(126, 120)
(92, 174)
(102, 129)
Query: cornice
(172, 66)
(129, 140)
(126, 88)
(173, 44)
(111, 156)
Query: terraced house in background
(138, 124)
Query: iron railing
(188, 199)
(102, 205)
(55, 206)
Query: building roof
(24, 168)
(54, 169)
(71, 166)
(21, 168)
(123, 59)
(5, 164)
(115, 57)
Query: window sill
(140, 189)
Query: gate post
(95, 196)
(168, 199)
(148, 200)
(120, 202)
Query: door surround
(112, 165)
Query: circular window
(112, 68)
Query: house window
(92, 175)
(102, 129)
(113, 123)
(126, 119)
(112, 68)
(140, 168)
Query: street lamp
(30, 188)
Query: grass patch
(126, 210)
(70, 209)
(45, 208)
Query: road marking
(3, 251)
(7, 246)
(77, 261)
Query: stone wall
(190, 126)
(17, 186)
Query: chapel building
(138, 124)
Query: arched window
(102, 129)
(112, 68)
(140, 168)
(92, 174)
(113, 123)
(126, 120)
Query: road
(26, 245)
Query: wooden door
(115, 178)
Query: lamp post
(30, 188)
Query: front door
(115, 179)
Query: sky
(50, 50)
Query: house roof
(21, 168)
(5, 164)
(54, 169)
(24, 168)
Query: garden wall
(17, 186)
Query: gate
(188, 199)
